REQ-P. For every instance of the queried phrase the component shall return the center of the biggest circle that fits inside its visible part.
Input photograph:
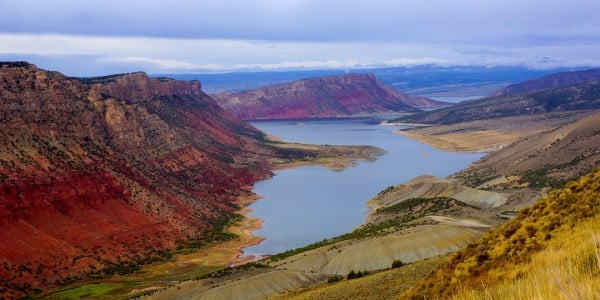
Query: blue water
(307, 204)
(456, 99)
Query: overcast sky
(93, 37)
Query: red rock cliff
(101, 170)
(321, 97)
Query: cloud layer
(203, 36)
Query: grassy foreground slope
(550, 251)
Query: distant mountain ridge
(550, 81)
(568, 98)
(323, 97)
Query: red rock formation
(111, 169)
(321, 97)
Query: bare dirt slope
(430, 186)
(378, 253)
(547, 159)
(379, 286)
(260, 285)
(493, 134)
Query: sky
(99, 37)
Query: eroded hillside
(323, 97)
(101, 175)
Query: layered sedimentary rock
(322, 97)
(110, 172)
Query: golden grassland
(568, 269)
(550, 251)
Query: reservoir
(308, 204)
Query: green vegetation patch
(232, 270)
(101, 290)
(540, 177)
(219, 232)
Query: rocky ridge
(550, 81)
(322, 97)
(584, 96)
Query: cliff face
(106, 171)
(321, 97)
(550, 81)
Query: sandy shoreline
(245, 228)
(467, 141)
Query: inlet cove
(308, 204)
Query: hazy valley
(139, 186)
(532, 152)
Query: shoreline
(468, 141)
(244, 229)
(429, 140)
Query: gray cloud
(195, 36)
(464, 21)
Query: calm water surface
(307, 204)
(456, 99)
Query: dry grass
(568, 269)
(548, 249)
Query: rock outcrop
(100, 175)
(322, 97)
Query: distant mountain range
(550, 81)
(423, 80)
(323, 97)
(547, 94)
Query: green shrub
(334, 278)
(397, 264)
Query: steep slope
(550, 81)
(321, 97)
(524, 256)
(549, 251)
(547, 159)
(584, 96)
(104, 174)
